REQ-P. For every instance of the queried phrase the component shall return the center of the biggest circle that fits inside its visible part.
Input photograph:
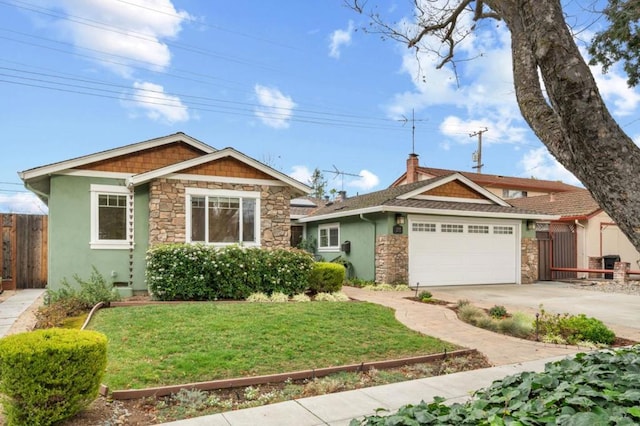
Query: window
(223, 217)
(478, 229)
(109, 211)
(423, 227)
(456, 229)
(505, 230)
(512, 193)
(329, 237)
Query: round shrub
(50, 375)
(580, 327)
(326, 277)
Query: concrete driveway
(621, 312)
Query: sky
(295, 84)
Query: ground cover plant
(157, 345)
(600, 388)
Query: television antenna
(341, 174)
(404, 121)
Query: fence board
(23, 258)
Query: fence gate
(557, 247)
(23, 254)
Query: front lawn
(158, 345)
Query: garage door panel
(478, 255)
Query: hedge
(326, 277)
(199, 272)
(50, 375)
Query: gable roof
(226, 152)
(497, 181)
(37, 179)
(574, 204)
(402, 199)
(73, 163)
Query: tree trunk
(574, 122)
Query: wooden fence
(23, 254)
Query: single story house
(505, 187)
(583, 232)
(446, 230)
(106, 209)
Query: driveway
(621, 312)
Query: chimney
(552, 197)
(342, 195)
(412, 168)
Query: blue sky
(295, 84)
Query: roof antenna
(341, 174)
(404, 121)
(477, 156)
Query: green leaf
(634, 411)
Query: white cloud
(338, 39)
(156, 104)
(276, 108)
(132, 33)
(366, 181)
(539, 163)
(614, 89)
(301, 174)
(26, 203)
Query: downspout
(375, 236)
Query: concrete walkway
(14, 306)
(441, 322)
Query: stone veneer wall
(529, 260)
(392, 259)
(167, 214)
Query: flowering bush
(199, 272)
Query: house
(106, 209)
(505, 187)
(582, 235)
(446, 230)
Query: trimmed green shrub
(326, 277)
(425, 295)
(498, 312)
(199, 272)
(573, 328)
(50, 375)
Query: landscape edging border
(278, 378)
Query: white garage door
(458, 251)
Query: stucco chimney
(342, 195)
(412, 168)
(552, 197)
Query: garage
(447, 250)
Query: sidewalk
(14, 306)
(337, 409)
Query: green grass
(173, 344)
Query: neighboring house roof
(304, 206)
(415, 198)
(173, 155)
(496, 181)
(575, 204)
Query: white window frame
(200, 192)
(95, 241)
(328, 227)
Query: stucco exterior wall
(167, 210)
(70, 234)
(610, 241)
